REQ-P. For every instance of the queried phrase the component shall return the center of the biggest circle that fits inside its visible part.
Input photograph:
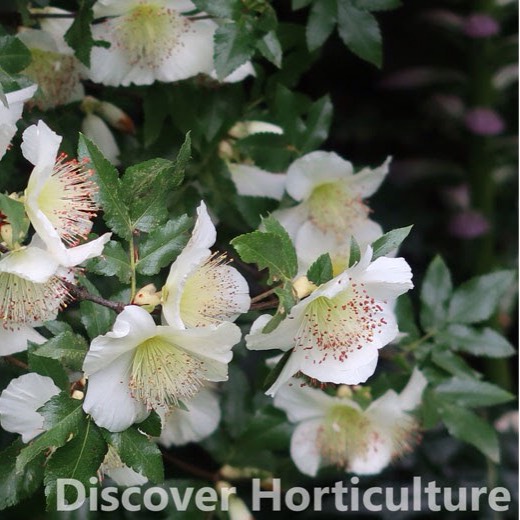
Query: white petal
(56, 27)
(212, 345)
(376, 457)
(97, 131)
(132, 327)
(281, 338)
(314, 169)
(387, 278)
(126, 476)
(300, 402)
(19, 402)
(108, 398)
(242, 72)
(254, 182)
(367, 181)
(113, 7)
(304, 447)
(38, 39)
(31, 263)
(411, 396)
(14, 338)
(291, 367)
(366, 231)
(199, 422)
(40, 146)
(204, 233)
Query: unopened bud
(237, 509)
(225, 150)
(78, 394)
(116, 117)
(148, 296)
(344, 391)
(90, 104)
(303, 287)
(246, 128)
(6, 232)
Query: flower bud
(344, 391)
(246, 128)
(78, 394)
(237, 508)
(303, 287)
(148, 296)
(6, 232)
(116, 117)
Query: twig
(80, 293)
(189, 468)
(272, 304)
(16, 362)
(263, 295)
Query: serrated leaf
(272, 250)
(486, 342)
(96, 319)
(145, 188)
(318, 121)
(79, 34)
(109, 195)
(48, 367)
(151, 425)
(162, 246)
(138, 452)
(15, 486)
(67, 347)
(360, 32)
(62, 421)
(234, 45)
(453, 364)
(389, 241)
(320, 271)
(321, 22)
(218, 8)
(14, 55)
(472, 393)
(355, 252)
(79, 459)
(114, 261)
(183, 156)
(271, 49)
(466, 426)
(477, 299)
(435, 293)
(286, 298)
(16, 216)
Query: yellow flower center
(163, 374)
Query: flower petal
(292, 218)
(19, 402)
(304, 447)
(411, 396)
(14, 338)
(314, 169)
(31, 263)
(108, 398)
(40, 147)
(300, 402)
(367, 181)
(254, 182)
(97, 130)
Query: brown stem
(4, 249)
(272, 304)
(16, 362)
(263, 295)
(189, 468)
(80, 293)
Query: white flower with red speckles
(151, 40)
(335, 333)
(201, 288)
(337, 431)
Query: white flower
(199, 421)
(53, 67)
(336, 332)
(98, 132)
(10, 114)
(19, 402)
(14, 338)
(151, 40)
(202, 289)
(58, 198)
(330, 207)
(337, 431)
(141, 366)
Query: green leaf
(183, 157)
(109, 195)
(48, 367)
(477, 299)
(67, 347)
(218, 8)
(145, 188)
(114, 261)
(63, 419)
(79, 34)
(96, 319)
(79, 459)
(453, 364)
(320, 271)
(236, 402)
(472, 393)
(321, 22)
(318, 121)
(14, 55)
(234, 45)
(268, 429)
(154, 113)
(162, 246)
(299, 4)
(286, 297)
(486, 342)
(138, 452)
(151, 425)
(271, 48)
(16, 216)
(406, 319)
(389, 241)
(377, 5)
(275, 372)
(465, 425)
(435, 294)
(272, 250)
(360, 32)
(355, 252)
